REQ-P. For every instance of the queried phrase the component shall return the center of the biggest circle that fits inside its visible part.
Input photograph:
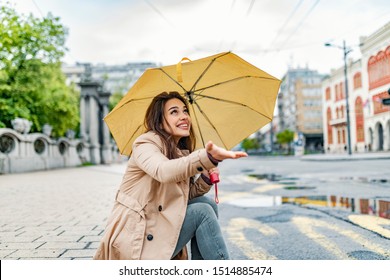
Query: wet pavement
(61, 214)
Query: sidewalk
(338, 157)
(56, 214)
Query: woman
(160, 205)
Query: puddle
(368, 206)
(269, 176)
(247, 170)
(287, 180)
(274, 178)
(366, 180)
(371, 206)
(298, 188)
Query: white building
(300, 108)
(368, 81)
(116, 78)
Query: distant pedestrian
(160, 205)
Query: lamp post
(346, 51)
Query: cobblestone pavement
(61, 214)
(57, 214)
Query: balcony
(338, 122)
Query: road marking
(226, 196)
(266, 188)
(307, 225)
(372, 223)
(235, 231)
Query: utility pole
(346, 51)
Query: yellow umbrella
(229, 100)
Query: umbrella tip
(190, 97)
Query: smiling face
(177, 121)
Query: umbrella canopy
(229, 99)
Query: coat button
(160, 208)
(200, 169)
(150, 237)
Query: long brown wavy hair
(154, 119)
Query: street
(290, 209)
(270, 208)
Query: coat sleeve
(148, 155)
(198, 188)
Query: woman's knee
(202, 210)
(206, 200)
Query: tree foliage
(250, 144)
(285, 137)
(32, 85)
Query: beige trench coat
(151, 202)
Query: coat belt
(130, 202)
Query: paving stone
(26, 254)
(6, 252)
(90, 238)
(87, 253)
(20, 245)
(56, 211)
(63, 245)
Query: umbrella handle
(214, 178)
(179, 72)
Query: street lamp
(346, 51)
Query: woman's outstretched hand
(221, 154)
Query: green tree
(285, 137)
(250, 144)
(114, 100)
(32, 85)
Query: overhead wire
(39, 10)
(300, 23)
(280, 30)
(154, 8)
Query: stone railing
(20, 152)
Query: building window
(359, 119)
(330, 133)
(327, 94)
(357, 80)
(378, 67)
(342, 89)
(377, 101)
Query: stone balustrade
(21, 152)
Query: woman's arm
(147, 153)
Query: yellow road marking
(307, 225)
(372, 223)
(251, 250)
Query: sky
(270, 34)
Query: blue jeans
(202, 228)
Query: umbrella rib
(205, 70)
(132, 136)
(232, 80)
(131, 100)
(208, 120)
(162, 70)
(197, 122)
(233, 102)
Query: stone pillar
(93, 107)
(105, 139)
(89, 113)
